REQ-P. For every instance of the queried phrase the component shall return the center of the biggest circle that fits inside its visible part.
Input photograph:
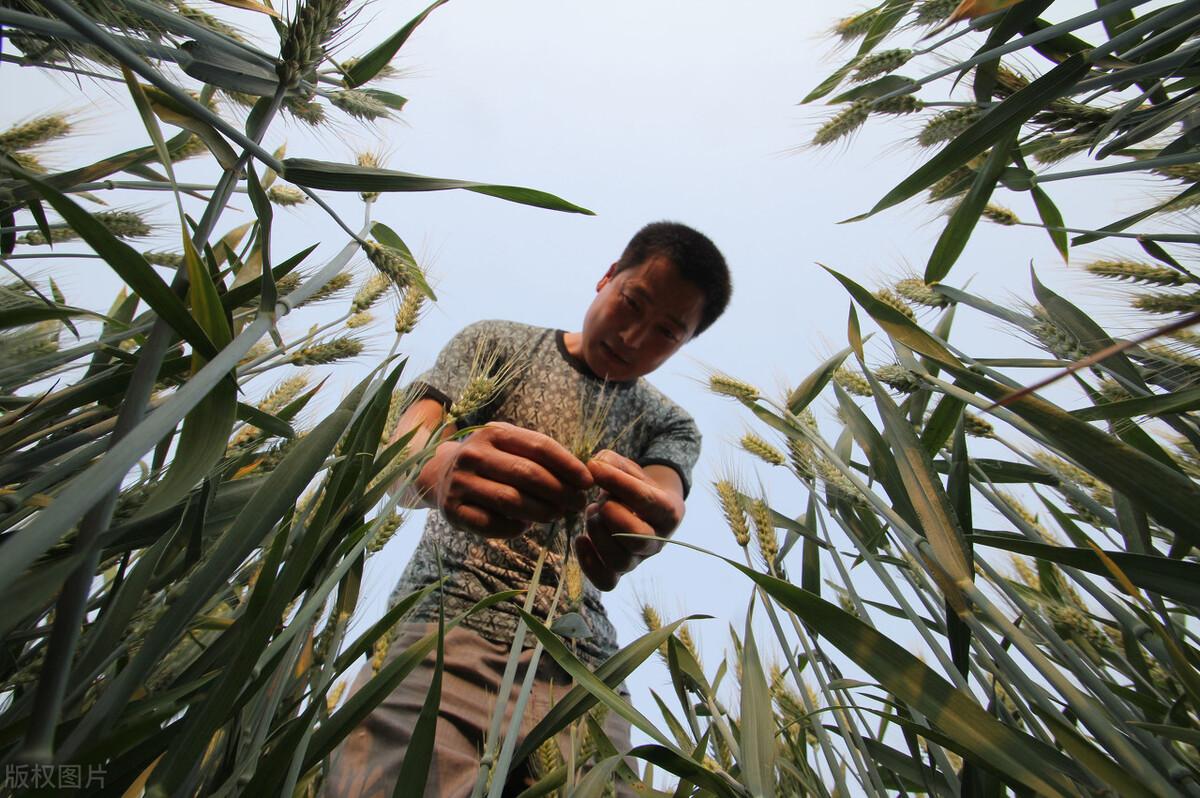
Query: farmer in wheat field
(570, 447)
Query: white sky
(640, 111)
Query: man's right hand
(503, 478)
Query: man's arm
(423, 418)
(497, 481)
(645, 501)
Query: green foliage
(184, 624)
(181, 559)
(1061, 640)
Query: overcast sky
(640, 111)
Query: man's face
(639, 318)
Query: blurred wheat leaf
(953, 238)
(989, 129)
(757, 729)
(359, 705)
(414, 771)
(1176, 579)
(1074, 744)
(1162, 404)
(897, 326)
(814, 383)
(690, 771)
(929, 500)
(579, 699)
(1165, 493)
(205, 433)
(129, 264)
(1022, 759)
(250, 5)
(349, 177)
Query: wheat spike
(764, 529)
(1137, 272)
(1165, 302)
(305, 108)
(330, 351)
(386, 71)
(286, 196)
(733, 510)
(357, 320)
(379, 651)
(890, 298)
(1056, 339)
(998, 214)
(34, 133)
(371, 160)
(881, 63)
(1059, 149)
(898, 378)
(977, 427)
(486, 377)
(338, 283)
(393, 263)
(122, 224)
(385, 532)
(842, 124)
(359, 105)
(934, 11)
(919, 292)
(1188, 172)
(854, 26)
(409, 311)
(369, 293)
(172, 260)
(762, 449)
(573, 581)
(952, 184)
(837, 486)
(304, 42)
(946, 125)
(852, 381)
(725, 385)
(902, 104)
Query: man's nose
(633, 336)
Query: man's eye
(669, 334)
(629, 301)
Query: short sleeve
(484, 342)
(674, 442)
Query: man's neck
(573, 341)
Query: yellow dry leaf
(250, 5)
(970, 9)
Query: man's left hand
(631, 501)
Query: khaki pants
(367, 764)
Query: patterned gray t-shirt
(550, 392)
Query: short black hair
(693, 254)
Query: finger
(614, 551)
(531, 479)
(614, 517)
(542, 449)
(592, 566)
(620, 461)
(641, 496)
(505, 500)
(482, 522)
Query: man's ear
(608, 275)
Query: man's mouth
(614, 354)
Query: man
(511, 490)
